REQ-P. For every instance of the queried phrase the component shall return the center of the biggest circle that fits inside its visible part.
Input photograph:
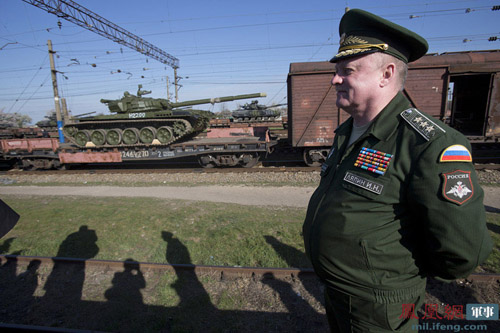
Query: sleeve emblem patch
(456, 153)
(457, 186)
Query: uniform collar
(386, 123)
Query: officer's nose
(336, 79)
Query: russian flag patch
(456, 153)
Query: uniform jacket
(379, 224)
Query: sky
(224, 47)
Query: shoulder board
(425, 126)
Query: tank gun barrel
(276, 105)
(217, 99)
(83, 114)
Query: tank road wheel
(69, 131)
(114, 136)
(130, 136)
(179, 128)
(98, 137)
(82, 137)
(147, 134)
(164, 134)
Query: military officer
(399, 199)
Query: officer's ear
(388, 74)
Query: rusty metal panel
(225, 132)
(91, 157)
(312, 113)
(426, 88)
(469, 60)
(493, 129)
(28, 145)
(311, 67)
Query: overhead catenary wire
(216, 71)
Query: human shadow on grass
(493, 228)
(297, 259)
(490, 209)
(81, 244)
(192, 294)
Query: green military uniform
(399, 204)
(377, 236)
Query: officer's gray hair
(401, 67)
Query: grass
(173, 231)
(154, 230)
(492, 264)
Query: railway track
(117, 170)
(222, 271)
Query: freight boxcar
(462, 89)
(312, 114)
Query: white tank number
(137, 115)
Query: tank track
(111, 124)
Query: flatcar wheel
(114, 136)
(206, 161)
(311, 158)
(98, 137)
(82, 137)
(147, 134)
(130, 136)
(249, 160)
(164, 134)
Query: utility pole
(65, 112)
(176, 82)
(168, 92)
(56, 92)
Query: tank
(254, 111)
(142, 121)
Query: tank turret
(141, 121)
(254, 111)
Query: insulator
(495, 8)
(492, 39)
